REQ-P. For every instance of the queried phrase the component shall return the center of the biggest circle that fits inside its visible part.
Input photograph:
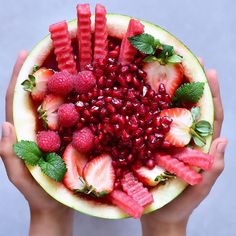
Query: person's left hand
(48, 217)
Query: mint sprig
(154, 49)
(189, 92)
(51, 164)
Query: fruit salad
(116, 116)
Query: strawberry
(126, 203)
(179, 134)
(178, 168)
(36, 84)
(75, 163)
(100, 33)
(148, 177)
(48, 111)
(136, 190)
(127, 51)
(48, 141)
(193, 157)
(83, 140)
(171, 75)
(84, 35)
(99, 175)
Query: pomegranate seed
(150, 164)
(114, 54)
(162, 89)
(124, 69)
(133, 67)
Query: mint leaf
(53, 166)
(190, 92)
(145, 43)
(195, 113)
(203, 128)
(28, 151)
(35, 68)
(174, 59)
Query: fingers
(15, 168)
(218, 109)
(10, 91)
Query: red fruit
(61, 83)
(100, 33)
(147, 176)
(48, 141)
(84, 35)
(126, 203)
(136, 190)
(83, 140)
(37, 83)
(48, 111)
(99, 174)
(178, 168)
(84, 82)
(62, 47)
(171, 75)
(68, 115)
(179, 134)
(127, 51)
(193, 157)
(75, 163)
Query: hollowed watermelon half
(25, 118)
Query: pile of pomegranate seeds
(123, 112)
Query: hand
(172, 219)
(48, 217)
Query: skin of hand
(48, 217)
(171, 220)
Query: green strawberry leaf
(203, 128)
(29, 84)
(28, 151)
(195, 113)
(150, 59)
(174, 59)
(53, 166)
(190, 92)
(35, 68)
(198, 142)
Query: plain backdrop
(206, 27)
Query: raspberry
(48, 141)
(84, 82)
(68, 115)
(83, 140)
(61, 83)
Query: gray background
(207, 27)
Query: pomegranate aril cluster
(123, 112)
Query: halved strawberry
(136, 190)
(171, 75)
(148, 177)
(178, 168)
(75, 163)
(84, 35)
(100, 33)
(193, 157)
(48, 111)
(36, 84)
(127, 50)
(99, 175)
(126, 203)
(182, 120)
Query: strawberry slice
(75, 163)
(178, 168)
(179, 134)
(84, 35)
(126, 203)
(127, 51)
(36, 84)
(148, 177)
(193, 157)
(171, 75)
(100, 33)
(62, 47)
(48, 111)
(99, 175)
(136, 190)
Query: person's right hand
(48, 217)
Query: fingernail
(221, 147)
(5, 130)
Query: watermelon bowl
(98, 200)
